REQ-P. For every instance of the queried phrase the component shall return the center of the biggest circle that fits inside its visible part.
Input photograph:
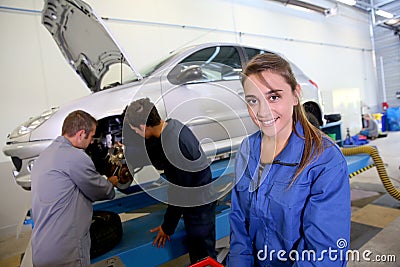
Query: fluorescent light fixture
(303, 6)
(384, 14)
(348, 2)
(393, 22)
(299, 8)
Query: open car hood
(86, 43)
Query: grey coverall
(64, 185)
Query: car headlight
(32, 123)
(30, 165)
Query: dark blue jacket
(185, 165)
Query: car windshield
(151, 68)
(121, 74)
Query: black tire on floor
(105, 232)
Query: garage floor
(375, 217)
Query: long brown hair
(313, 136)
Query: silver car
(199, 85)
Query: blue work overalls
(274, 224)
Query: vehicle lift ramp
(135, 247)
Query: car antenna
(122, 58)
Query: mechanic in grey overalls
(64, 185)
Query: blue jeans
(365, 132)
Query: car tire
(105, 232)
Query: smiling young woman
(292, 191)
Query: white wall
(335, 51)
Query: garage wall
(388, 58)
(335, 51)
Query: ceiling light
(384, 14)
(393, 22)
(348, 2)
(303, 6)
(299, 8)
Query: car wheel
(105, 232)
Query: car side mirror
(189, 74)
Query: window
(215, 64)
(252, 52)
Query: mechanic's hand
(113, 180)
(118, 143)
(161, 237)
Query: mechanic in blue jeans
(291, 201)
(172, 147)
(371, 130)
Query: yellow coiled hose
(373, 152)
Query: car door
(204, 91)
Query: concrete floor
(376, 214)
(375, 217)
